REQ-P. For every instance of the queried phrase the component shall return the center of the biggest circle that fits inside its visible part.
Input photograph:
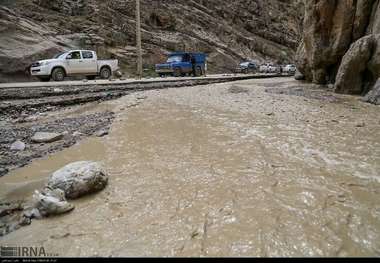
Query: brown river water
(215, 171)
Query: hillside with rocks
(228, 32)
(341, 46)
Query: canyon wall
(341, 44)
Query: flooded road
(220, 170)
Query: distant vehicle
(247, 67)
(181, 64)
(289, 69)
(71, 63)
(268, 68)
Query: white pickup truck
(268, 68)
(71, 63)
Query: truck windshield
(172, 59)
(59, 54)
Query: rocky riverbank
(64, 132)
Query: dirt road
(251, 168)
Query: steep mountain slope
(228, 31)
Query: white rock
(18, 146)
(31, 119)
(79, 178)
(51, 202)
(77, 134)
(101, 133)
(46, 137)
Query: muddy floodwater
(250, 168)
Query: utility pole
(138, 40)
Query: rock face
(46, 137)
(24, 38)
(69, 7)
(78, 179)
(265, 30)
(354, 69)
(341, 44)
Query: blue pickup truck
(182, 64)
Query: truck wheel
(177, 72)
(105, 73)
(246, 71)
(58, 74)
(198, 72)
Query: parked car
(268, 68)
(289, 69)
(247, 67)
(71, 63)
(181, 64)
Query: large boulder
(354, 67)
(79, 178)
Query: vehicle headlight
(45, 63)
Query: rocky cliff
(341, 44)
(229, 31)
